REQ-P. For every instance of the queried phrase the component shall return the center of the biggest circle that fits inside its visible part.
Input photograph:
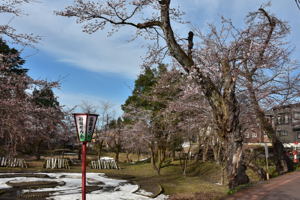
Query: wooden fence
(104, 164)
(57, 163)
(12, 162)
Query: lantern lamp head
(85, 125)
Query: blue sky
(98, 68)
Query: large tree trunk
(235, 167)
(225, 109)
(258, 170)
(222, 100)
(228, 128)
(282, 161)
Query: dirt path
(286, 187)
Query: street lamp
(85, 125)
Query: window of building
(283, 133)
(296, 115)
(279, 121)
(247, 135)
(254, 135)
(269, 119)
(286, 118)
(282, 119)
(278, 133)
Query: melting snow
(111, 190)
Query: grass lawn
(201, 178)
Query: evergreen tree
(10, 59)
(153, 91)
(45, 98)
(143, 88)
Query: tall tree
(142, 86)
(221, 98)
(115, 137)
(13, 83)
(214, 64)
(45, 98)
(146, 108)
(47, 125)
(268, 75)
(25, 116)
(106, 114)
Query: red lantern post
(85, 125)
(295, 153)
(83, 170)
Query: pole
(267, 163)
(83, 170)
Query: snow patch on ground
(111, 190)
(107, 158)
(144, 192)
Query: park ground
(202, 181)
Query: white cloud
(74, 99)
(63, 39)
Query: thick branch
(175, 49)
(272, 25)
(298, 3)
(144, 25)
(190, 44)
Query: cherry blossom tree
(195, 122)
(46, 127)
(157, 25)
(147, 108)
(136, 138)
(25, 116)
(268, 76)
(115, 137)
(13, 8)
(71, 137)
(213, 63)
(87, 107)
(106, 114)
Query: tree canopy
(27, 117)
